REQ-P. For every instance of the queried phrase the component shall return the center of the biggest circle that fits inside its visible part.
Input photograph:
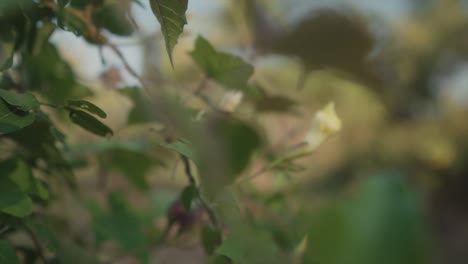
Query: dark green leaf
(114, 17)
(87, 106)
(20, 174)
(187, 196)
(211, 239)
(171, 16)
(13, 119)
(90, 123)
(181, 147)
(12, 200)
(23, 101)
(141, 111)
(45, 235)
(7, 253)
(381, 223)
(229, 70)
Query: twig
(36, 242)
(125, 63)
(191, 178)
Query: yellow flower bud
(325, 123)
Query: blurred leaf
(381, 223)
(318, 41)
(12, 200)
(38, 144)
(87, 106)
(229, 70)
(113, 16)
(141, 111)
(171, 17)
(12, 119)
(23, 101)
(90, 123)
(134, 164)
(45, 235)
(211, 239)
(181, 147)
(187, 196)
(8, 253)
(20, 174)
(69, 252)
(120, 223)
(257, 249)
(7, 47)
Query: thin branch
(36, 243)
(125, 63)
(191, 178)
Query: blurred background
(390, 187)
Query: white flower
(325, 123)
(231, 100)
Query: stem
(36, 242)
(125, 63)
(191, 178)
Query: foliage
(230, 174)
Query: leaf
(383, 222)
(114, 17)
(211, 239)
(258, 248)
(181, 147)
(24, 101)
(187, 196)
(7, 253)
(120, 223)
(90, 123)
(171, 17)
(141, 111)
(21, 175)
(13, 119)
(229, 70)
(12, 200)
(87, 106)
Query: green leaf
(181, 147)
(7, 253)
(187, 196)
(121, 223)
(114, 17)
(383, 222)
(211, 239)
(258, 248)
(23, 101)
(13, 119)
(90, 123)
(20, 174)
(87, 106)
(12, 200)
(229, 70)
(45, 235)
(141, 111)
(171, 17)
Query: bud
(231, 100)
(325, 123)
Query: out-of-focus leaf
(12, 200)
(20, 174)
(45, 235)
(257, 249)
(171, 17)
(23, 101)
(87, 106)
(7, 253)
(121, 223)
(141, 111)
(90, 123)
(48, 73)
(133, 164)
(7, 47)
(113, 16)
(381, 223)
(318, 42)
(13, 119)
(69, 252)
(229, 70)
(187, 196)
(38, 143)
(180, 147)
(211, 239)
